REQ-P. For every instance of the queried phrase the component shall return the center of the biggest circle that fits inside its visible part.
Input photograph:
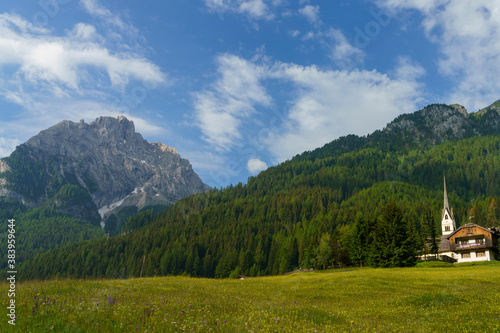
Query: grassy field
(421, 299)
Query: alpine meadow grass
(421, 299)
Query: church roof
(444, 244)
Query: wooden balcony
(487, 244)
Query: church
(467, 243)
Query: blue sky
(240, 85)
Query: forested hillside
(316, 210)
(43, 228)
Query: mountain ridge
(432, 125)
(106, 158)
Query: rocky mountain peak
(435, 118)
(119, 125)
(438, 123)
(460, 109)
(113, 163)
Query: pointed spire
(446, 202)
(447, 219)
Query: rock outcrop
(435, 124)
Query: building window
(446, 228)
(480, 254)
(479, 240)
(464, 241)
(465, 255)
(446, 216)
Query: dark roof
(444, 244)
(472, 225)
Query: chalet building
(467, 243)
(472, 242)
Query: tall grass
(422, 299)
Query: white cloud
(425, 6)
(253, 9)
(336, 103)
(308, 35)
(221, 110)
(323, 104)
(467, 34)
(96, 9)
(311, 13)
(15, 98)
(7, 145)
(61, 62)
(21, 24)
(408, 70)
(343, 52)
(143, 126)
(84, 32)
(294, 33)
(255, 165)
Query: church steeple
(446, 202)
(447, 218)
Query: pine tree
(411, 244)
(208, 265)
(188, 268)
(197, 264)
(324, 251)
(245, 261)
(361, 243)
(293, 253)
(390, 247)
(343, 237)
(424, 235)
(492, 216)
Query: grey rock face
(115, 164)
(434, 124)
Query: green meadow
(427, 298)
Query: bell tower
(447, 218)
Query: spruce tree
(324, 251)
(358, 244)
(391, 245)
(411, 244)
(424, 235)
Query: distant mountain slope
(493, 107)
(108, 166)
(433, 125)
(279, 219)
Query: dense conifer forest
(366, 206)
(43, 228)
